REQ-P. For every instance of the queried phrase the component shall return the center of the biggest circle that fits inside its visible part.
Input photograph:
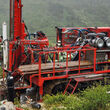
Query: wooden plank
(59, 69)
(88, 79)
(49, 66)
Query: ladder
(77, 80)
(70, 85)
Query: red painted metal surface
(64, 37)
(19, 108)
(17, 54)
(39, 79)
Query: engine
(96, 37)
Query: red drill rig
(81, 55)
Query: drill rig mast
(17, 26)
(16, 46)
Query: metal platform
(89, 76)
(34, 68)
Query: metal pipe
(5, 46)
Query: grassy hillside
(46, 14)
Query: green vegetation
(95, 98)
(46, 14)
(1, 72)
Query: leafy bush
(95, 98)
(75, 103)
(98, 97)
(58, 99)
(64, 102)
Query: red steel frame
(91, 29)
(16, 50)
(39, 80)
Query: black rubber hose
(36, 105)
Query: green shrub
(97, 96)
(64, 102)
(54, 99)
(75, 103)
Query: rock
(3, 81)
(7, 106)
(23, 99)
(108, 92)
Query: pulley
(97, 42)
(107, 41)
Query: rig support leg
(41, 92)
(10, 85)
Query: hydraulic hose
(81, 30)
